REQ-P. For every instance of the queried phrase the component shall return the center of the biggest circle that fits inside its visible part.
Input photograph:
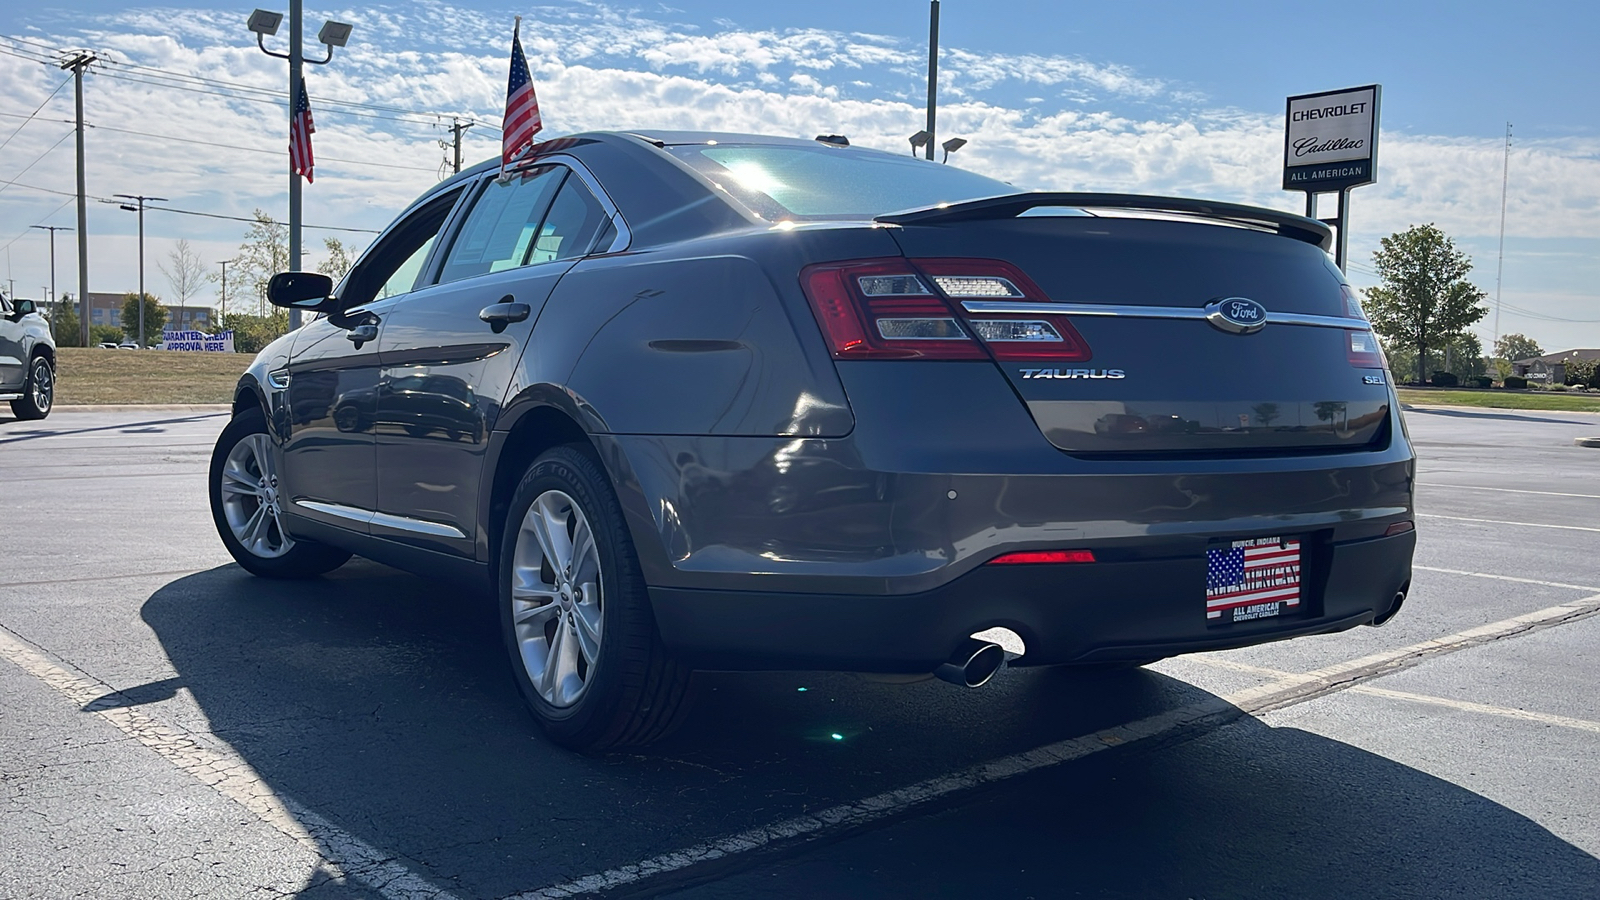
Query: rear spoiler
(1011, 205)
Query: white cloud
(1038, 122)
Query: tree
(155, 318)
(265, 251)
(68, 327)
(251, 333)
(105, 334)
(185, 274)
(338, 261)
(1512, 347)
(1425, 299)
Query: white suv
(27, 360)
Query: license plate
(1252, 579)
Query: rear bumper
(1137, 609)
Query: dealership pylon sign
(1331, 140)
(1330, 145)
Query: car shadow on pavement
(44, 428)
(382, 703)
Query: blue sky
(1164, 97)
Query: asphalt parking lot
(173, 727)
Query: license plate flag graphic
(1252, 579)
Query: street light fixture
(333, 34)
(952, 146)
(141, 200)
(53, 296)
(919, 140)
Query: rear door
(1145, 335)
(450, 352)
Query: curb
(141, 407)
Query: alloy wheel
(44, 386)
(250, 499)
(556, 606)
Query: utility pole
(222, 315)
(52, 229)
(1500, 264)
(140, 210)
(77, 64)
(933, 72)
(456, 128)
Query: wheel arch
(543, 418)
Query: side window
(575, 220)
(394, 265)
(499, 232)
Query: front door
(331, 395)
(446, 370)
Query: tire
(583, 647)
(244, 505)
(38, 391)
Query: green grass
(1504, 400)
(91, 375)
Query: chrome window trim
(624, 236)
(368, 517)
(1128, 311)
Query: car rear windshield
(824, 182)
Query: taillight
(901, 309)
(882, 309)
(1012, 335)
(1365, 352)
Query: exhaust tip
(973, 664)
(1394, 610)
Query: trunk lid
(1166, 375)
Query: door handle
(504, 313)
(361, 334)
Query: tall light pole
(140, 210)
(333, 34)
(933, 73)
(52, 229)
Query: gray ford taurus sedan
(719, 401)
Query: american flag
(522, 120)
(300, 131)
(1247, 573)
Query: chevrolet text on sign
(1332, 139)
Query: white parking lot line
(1286, 690)
(1474, 487)
(229, 775)
(1507, 712)
(1554, 584)
(1504, 522)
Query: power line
(188, 140)
(35, 112)
(172, 209)
(35, 161)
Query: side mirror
(301, 290)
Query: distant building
(105, 308)
(1551, 368)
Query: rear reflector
(1026, 557)
(1399, 528)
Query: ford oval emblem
(1236, 315)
